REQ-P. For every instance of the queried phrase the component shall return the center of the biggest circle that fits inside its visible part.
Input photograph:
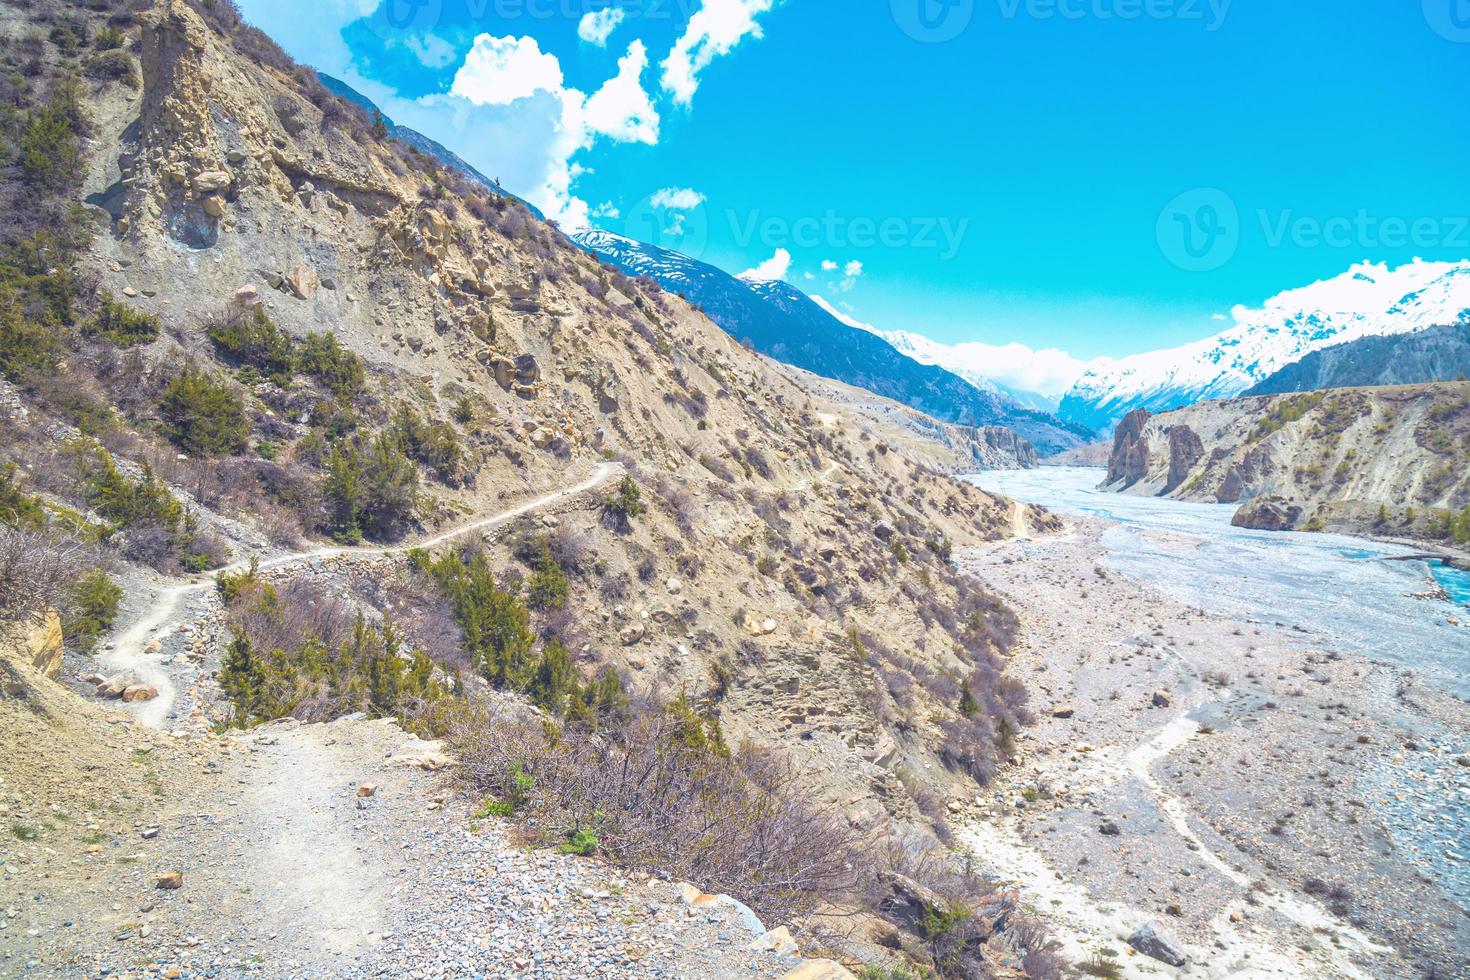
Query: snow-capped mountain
(1032, 378)
(782, 322)
(1368, 300)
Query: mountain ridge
(782, 322)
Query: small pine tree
(380, 126)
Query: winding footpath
(133, 650)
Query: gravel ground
(1249, 811)
(339, 850)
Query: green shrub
(50, 150)
(434, 444)
(253, 339)
(336, 367)
(119, 324)
(621, 507)
(94, 607)
(204, 416)
(111, 66)
(582, 842)
(370, 489)
(18, 508)
(25, 345)
(369, 671)
(108, 38)
(548, 587)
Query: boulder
(778, 940)
(169, 880)
(1161, 699)
(139, 692)
(213, 205)
(1153, 939)
(1270, 513)
(757, 626)
(303, 282)
(366, 790)
(630, 635)
(528, 369)
(211, 182)
(1064, 710)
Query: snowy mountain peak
(1369, 299)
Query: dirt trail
(133, 651)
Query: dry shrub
(660, 800)
(38, 571)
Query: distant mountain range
(1436, 354)
(1369, 300)
(784, 323)
(417, 140)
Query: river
(1344, 592)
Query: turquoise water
(1339, 591)
(1456, 582)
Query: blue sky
(1100, 176)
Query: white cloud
(829, 266)
(431, 50)
(1048, 372)
(507, 70)
(1219, 318)
(621, 110)
(775, 267)
(597, 27)
(606, 209)
(677, 198)
(502, 70)
(853, 270)
(715, 29)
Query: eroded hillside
(1383, 461)
(274, 334)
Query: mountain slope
(1376, 461)
(1367, 300)
(424, 144)
(276, 327)
(786, 324)
(1436, 354)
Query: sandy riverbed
(1263, 814)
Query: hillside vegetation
(237, 321)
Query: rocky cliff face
(1393, 461)
(38, 645)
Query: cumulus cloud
(716, 28)
(606, 209)
(597, 27)
(829, 266)
(431, 50)
(853, 269)
(505, 71)
(621, 110)
(775, 267)
(502, 70)
(677, 198)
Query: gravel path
(339, 850)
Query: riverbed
(1344, 593)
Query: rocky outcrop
(1152, 939)
(38, 645)
(1387, 461)
(1185, 450)
(1269, 514)
(1130, 459)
